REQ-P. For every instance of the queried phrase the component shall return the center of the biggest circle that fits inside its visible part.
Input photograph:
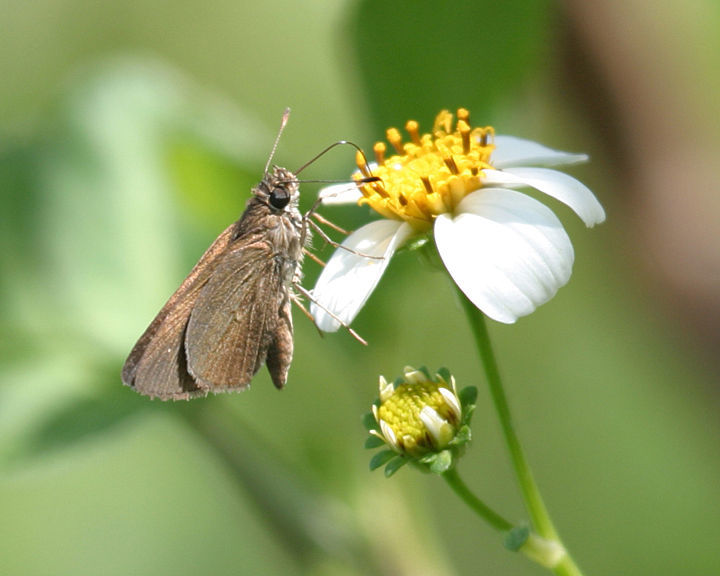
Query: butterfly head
(279, 189)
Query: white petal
(387, 389)
(389, 435)
(345, 193)
(513, 151)
(349, 278)
(559, 185)
(437, 427)
(451, 400)
(506, 251)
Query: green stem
(548, 553)
(537, 510)
(533, 501)
(567, 567)
(485, 512)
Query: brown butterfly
(232, 313)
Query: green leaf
(487, 50)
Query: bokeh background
(130, 134)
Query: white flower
(506, 251)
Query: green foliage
(446, 55)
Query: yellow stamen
(450, 163)
(443, 122)
(413, 128)
(464, 130)
(430, 174)
(401, 412)
(379, 150)
(394, 137)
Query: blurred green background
(130, 134)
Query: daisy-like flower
(421, 419)
(506, 251)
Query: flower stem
(548, 553)
(485, 512)
(534, 504)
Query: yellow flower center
(401, 412)
(431, 173)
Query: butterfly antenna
(327, 149)
(283, 123)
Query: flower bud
(421, 419)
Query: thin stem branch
(548, 553)
(531, 494)
(483, 510)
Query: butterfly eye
(279, 198)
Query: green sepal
(468, 397)
(438, 462)
(428, 253)
(394, 465)
(463, 436)
(445, 374)
(426, 372)
(467, 413)
(374, 442)
(368, 421)
(381, 458)
(516, 538)
(415, 243)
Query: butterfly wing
(242, 312)
(157, 365)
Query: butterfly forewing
(234, 319)
(156, 365)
